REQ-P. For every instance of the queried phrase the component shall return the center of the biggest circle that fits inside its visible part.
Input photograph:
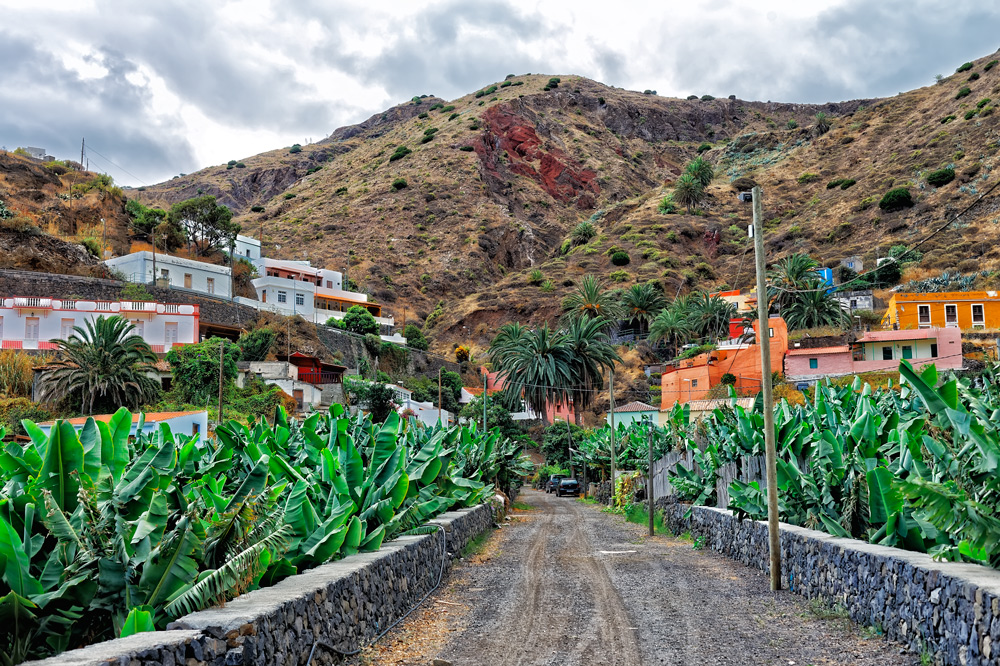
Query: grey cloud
(45, 104)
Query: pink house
(877, 351)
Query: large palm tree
(539, 369)
(794, 272)
(671, 325)
(507, 341)
(711, 314)
(102, 362)
(701, 170)
(688, 191)
(591, 301)
(814, 308)
(591, 355)
(641, 303)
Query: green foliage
(207, 225)
(557, 441)
(422, 115)
(947, 119)
(990, 65)
(257, 209)
(399, 184)
(196, 368)
(103, 537)
(535, 276)
(688, 191)
(92, 246)
(135, 291)
(837, 182)
(256, 344)
(701, 170)
(971, 113)
(791, 124)
(964, 67)
(296, 148)
(941, 177)
(13, 410)
(973, 77)
(896, 199)
(620, 258)
(583, 233)
(359, 320)
(707, 98)
(848, 182)
(808, 178)
(822, 123)
(400, 153)
(415, 337)
(704, 148)
(5, 213)
(289, 195)
(467, 149)
(963, 92)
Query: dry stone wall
(949, 608)
(343, 605)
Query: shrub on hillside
(466, 149)
(791, 124)
(447, 109)
(399, 184)
(704, 148)
(970, 114)
(807, 178)
(847, 183)
(583, 232)
(963, 92)
(837, 182)
(240, 165)
(620, 276)
(974, 77)
(947, 119)
(666, 205)
(422, 115)
(896, 199)
(401, 152)
(983, 102)
(822, 123)
(990, 65)
(92, 246)
(296, 148)
(535, 276)
(620, 258)
(964, 67)
(415, 337)
(427, 138)
(941, 177)
(707, 98)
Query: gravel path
(570, 585)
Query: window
(886, 353)
(951, 315)
(978, 315)
(187, 280)
(65, 329)
(854, 304)
(924, 316)
(933, 350)
(329, 284)
(907, 352)
(263, 295)
(164, 274)
(170, 334)
(770, 332)
(140, 327)
(282, 297)
(210, 285)
(300, 299)
(31, 328)
(694, 383)
(1, 328)
(813, 363)
(248, 252)
(196, 428)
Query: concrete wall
(827, 365)
(345, 603)
(951, 608)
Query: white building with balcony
(247, 248)
(35, 323)
(177, 272)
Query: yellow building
(955, 309)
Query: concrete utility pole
(611, 390)
(484, 396)
(649, 479)
(222, 346)
(439, 393)
(773, 538)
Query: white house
(28, 322)
(247, 248)
(306, 378)
(181, 423)
(852, 301)
(179, 273)
(425, 412)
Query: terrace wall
(951, 608)
(345, 604)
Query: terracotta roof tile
(636, 406)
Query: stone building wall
(343, 604)
(951, 608)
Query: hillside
(506, 175)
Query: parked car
(553, 483)
(568, 486)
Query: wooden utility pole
(154, 257)
(764, 334)
(83, 143)
(649, 479)
(222, 346)
(439, 394)
(611, 390)
(484, 397)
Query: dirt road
(569, 585)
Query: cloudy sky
(168, 86)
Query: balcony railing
(318, 377)
(138, 306)
(32, 302)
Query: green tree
(794, 272)
(671, 326)
(415, 337)
(537, 367)
(375, 397)
(591, 301)
(104, 365)
(591, 355)
(153, 225)
(254, 345)
(641, 303)
(497, 416)
(195, 369)
(208, 225)
(583, 232)
(814, 308)
(688, 191)
(822, 123)
(358, 320)
(508, 341)
(710, 315)
(701, 170)
(557, 440)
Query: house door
(907, 352)
(297, 394)
(31, 328)
(170, 335)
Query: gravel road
(570, 585)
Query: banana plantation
(914, 466)
(101, 536)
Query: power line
(90, 149)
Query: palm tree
(815, 308)
(642, 302)
(590, 301)
(794, 272)
(103, 360)
(591, 354)
(508, 339)
(701, 170)
(688, 191)
(670, 326)
(539, 369)
(711, 314)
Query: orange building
(692, 378)
(949, 309)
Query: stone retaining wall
(345, 604)
(949, 608)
